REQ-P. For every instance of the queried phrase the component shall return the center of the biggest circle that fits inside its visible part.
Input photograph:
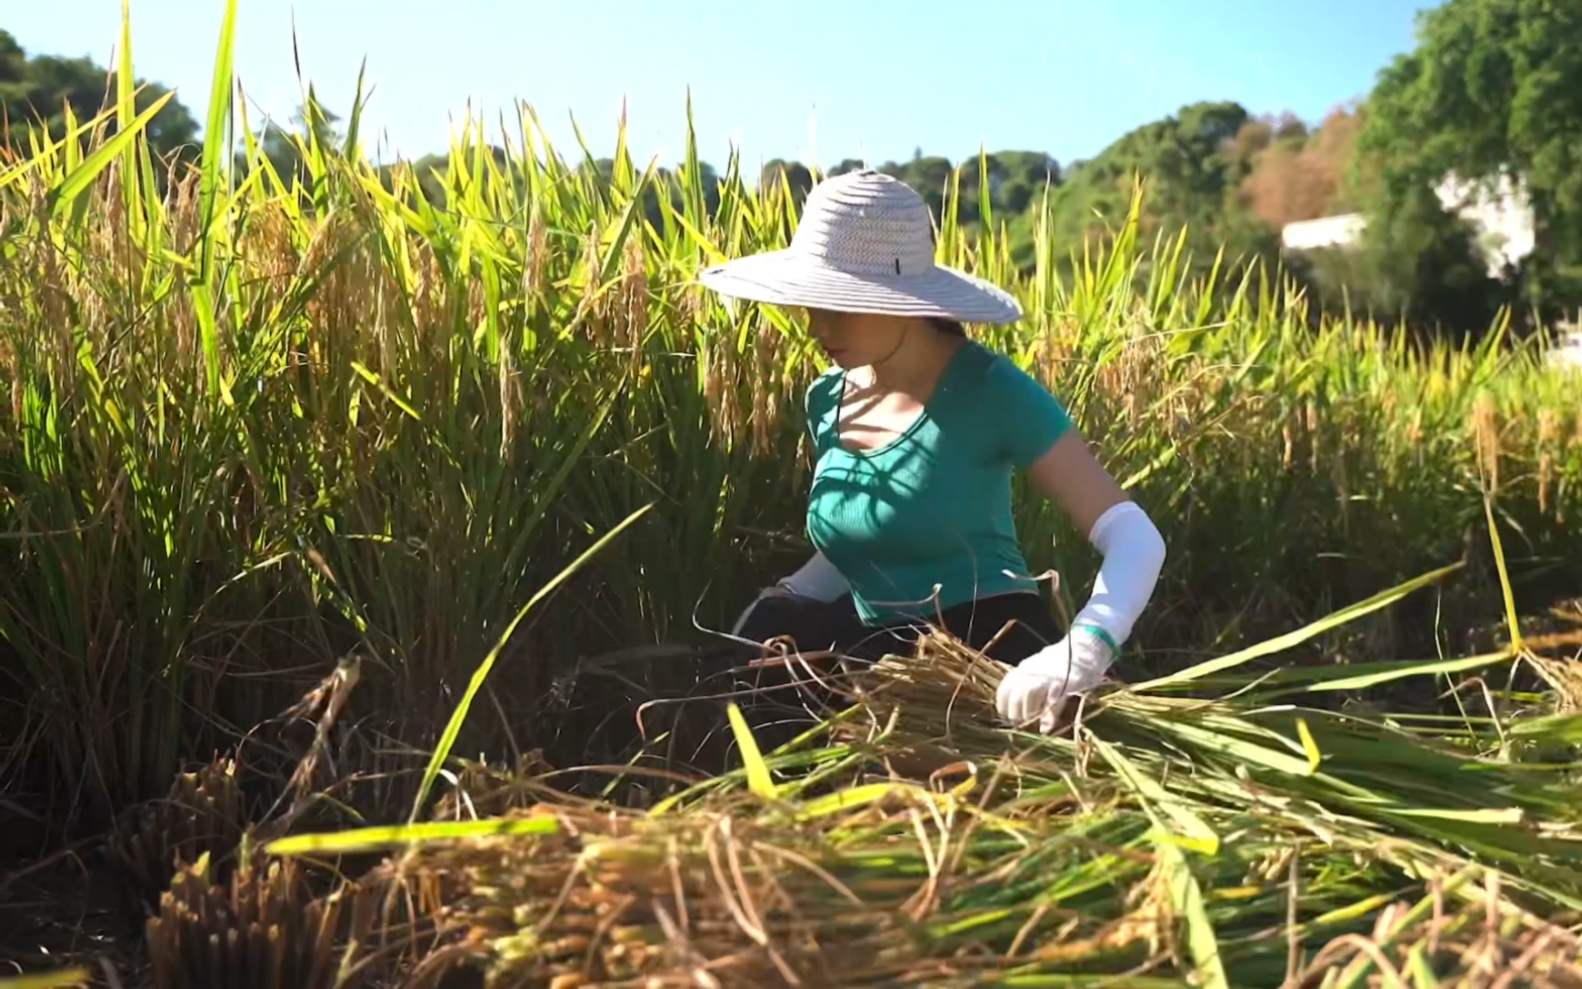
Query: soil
(61, 912)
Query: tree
(1493, 89)
(36, 91)
(1299, 175)
(13, 63)
(1192, 165)
(794, 173)
(1016, 179)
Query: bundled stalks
(1160, 839)
(728, 894)
(1435, 942)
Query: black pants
(836, 626)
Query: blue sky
(811, 79)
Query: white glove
(1039, 686)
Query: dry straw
(1239, 841)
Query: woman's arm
(1071, 477)
(1133, 550)
(817, 579)
(1133, 553)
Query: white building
(1500, 214)
(1497, 211)
(1326, 231)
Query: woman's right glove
(1037, 688)
(1040, 685)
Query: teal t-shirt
(932, 506)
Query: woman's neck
(917, 363)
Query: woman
(916, 430)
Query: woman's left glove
(1038, 688)
(817, 579)
(773, 591)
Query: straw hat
(864, 244)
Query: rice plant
(281, 434)
(262, 422)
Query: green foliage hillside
(38, 90)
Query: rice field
(357, 547)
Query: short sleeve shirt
(924, 522)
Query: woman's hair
(949, 327)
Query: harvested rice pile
(1247, 842)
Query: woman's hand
(1038, 688)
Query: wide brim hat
(864, 244)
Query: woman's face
(855, 340)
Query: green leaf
(630, 216)
(208, 333)
(1513, 625)
(1422, 971)
(1495, 815)
(359, 840)
(1242, 750)
(69, 978)
(64, 196)
(479, 675)
(1187, 898)
(1554, 727)
(1362, 676)
(1314, 756)
(1195, 832)
(385, 390)
(860, 796)
(1281, 643)
(125, 117)
(758, 778)
(216, 147)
